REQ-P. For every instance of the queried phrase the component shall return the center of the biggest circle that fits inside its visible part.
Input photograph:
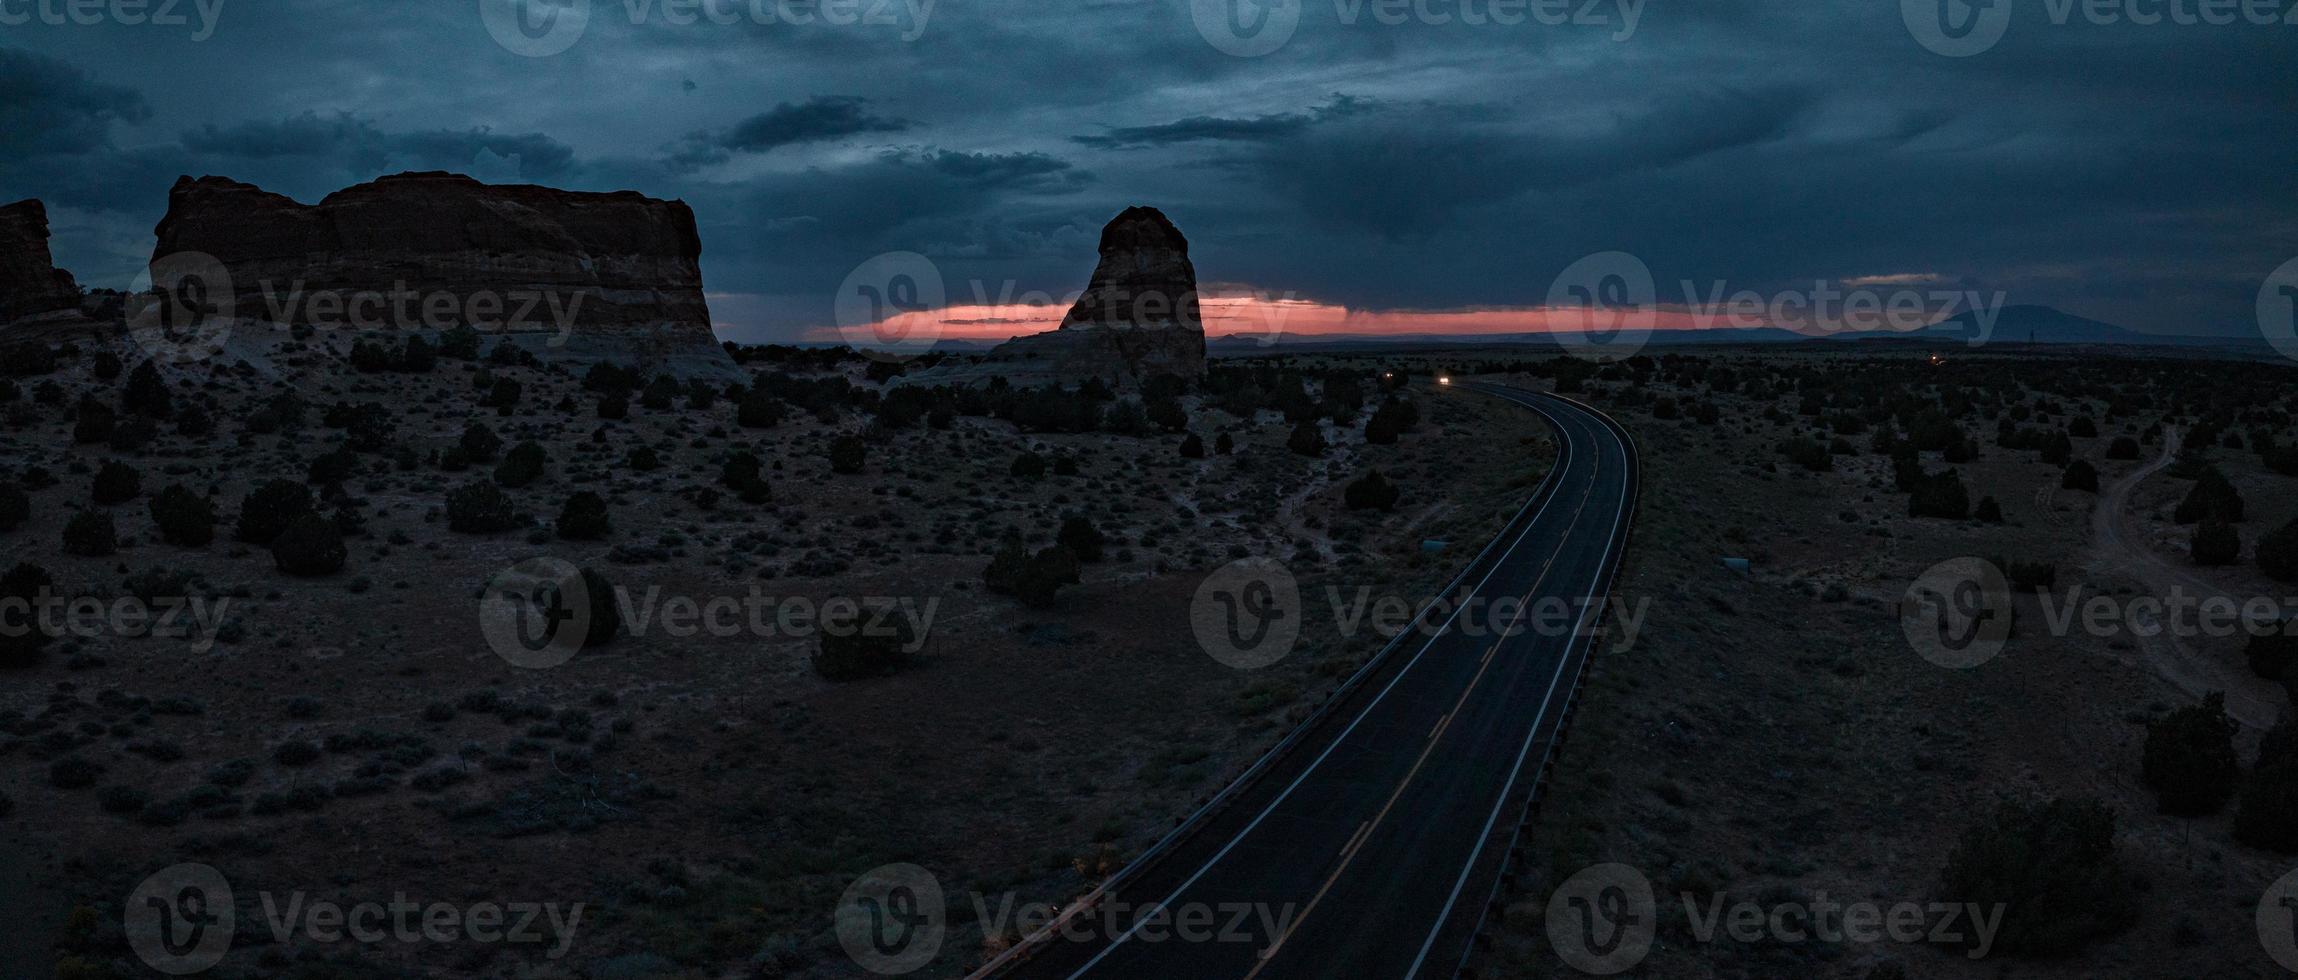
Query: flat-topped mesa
(572, 275)
(30, 283)
(1136, 319)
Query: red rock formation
(30, 283)
(1136, 319)
(579, 275)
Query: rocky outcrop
(1136, 319)
(30, 283)
(572, 275)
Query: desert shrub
(15, 507)
(94, 421)
(584, 517)
(758, 410)
(1224, 444)
(2189, 758)
(2215, 542)
(1989, 510)
(146, 394)
(184, 518)
(296, 753)
(2081, 427)
(863, 644)
(2271, 655)
(642, 459)
(334, 466)
(740, 471)
(1080, 536)
(116, 482)
(2057, 449)
(1125, 417)
(194, 421)
(1027, 465)
(1065, 465)
(22, 638)
(613, 405)
(480, 507)
(310, 545)
(503, 396)
(267, 509)
(1371, 491)
(479, 443)
(2211, 497)
(1811, 454)
(1167, 414)
(522, 465)
(106, 365)
(2267, 814)
(2278, 553)
(1307, 439)
(2052, 868)
(90, 533)
(1032, 578)
(1192, 447)
(847, 454)
(2123, 447)
(2080, 475)
(1940, 494)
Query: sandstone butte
(574, 276)
(1136, 319)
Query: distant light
(1443, 379)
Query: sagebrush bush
(480, 507)
(184, 518)
(2189, 758)
(310, 545)
(1371, 491)
(584, 517)
(2052, 869)
(267, 509)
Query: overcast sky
(2140, 174)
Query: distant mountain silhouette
(2036, 324)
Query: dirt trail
(2121, 550)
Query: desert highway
(1376, 834)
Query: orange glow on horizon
(1251, 316)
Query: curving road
(1370, 843)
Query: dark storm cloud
(820, 118)
(1196, 128)
(47, 106)
(2127, 173)
(358, 144)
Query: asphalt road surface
(1370, 845)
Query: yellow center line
(1364, 832)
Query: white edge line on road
(1507, 789)
(1562, 467)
